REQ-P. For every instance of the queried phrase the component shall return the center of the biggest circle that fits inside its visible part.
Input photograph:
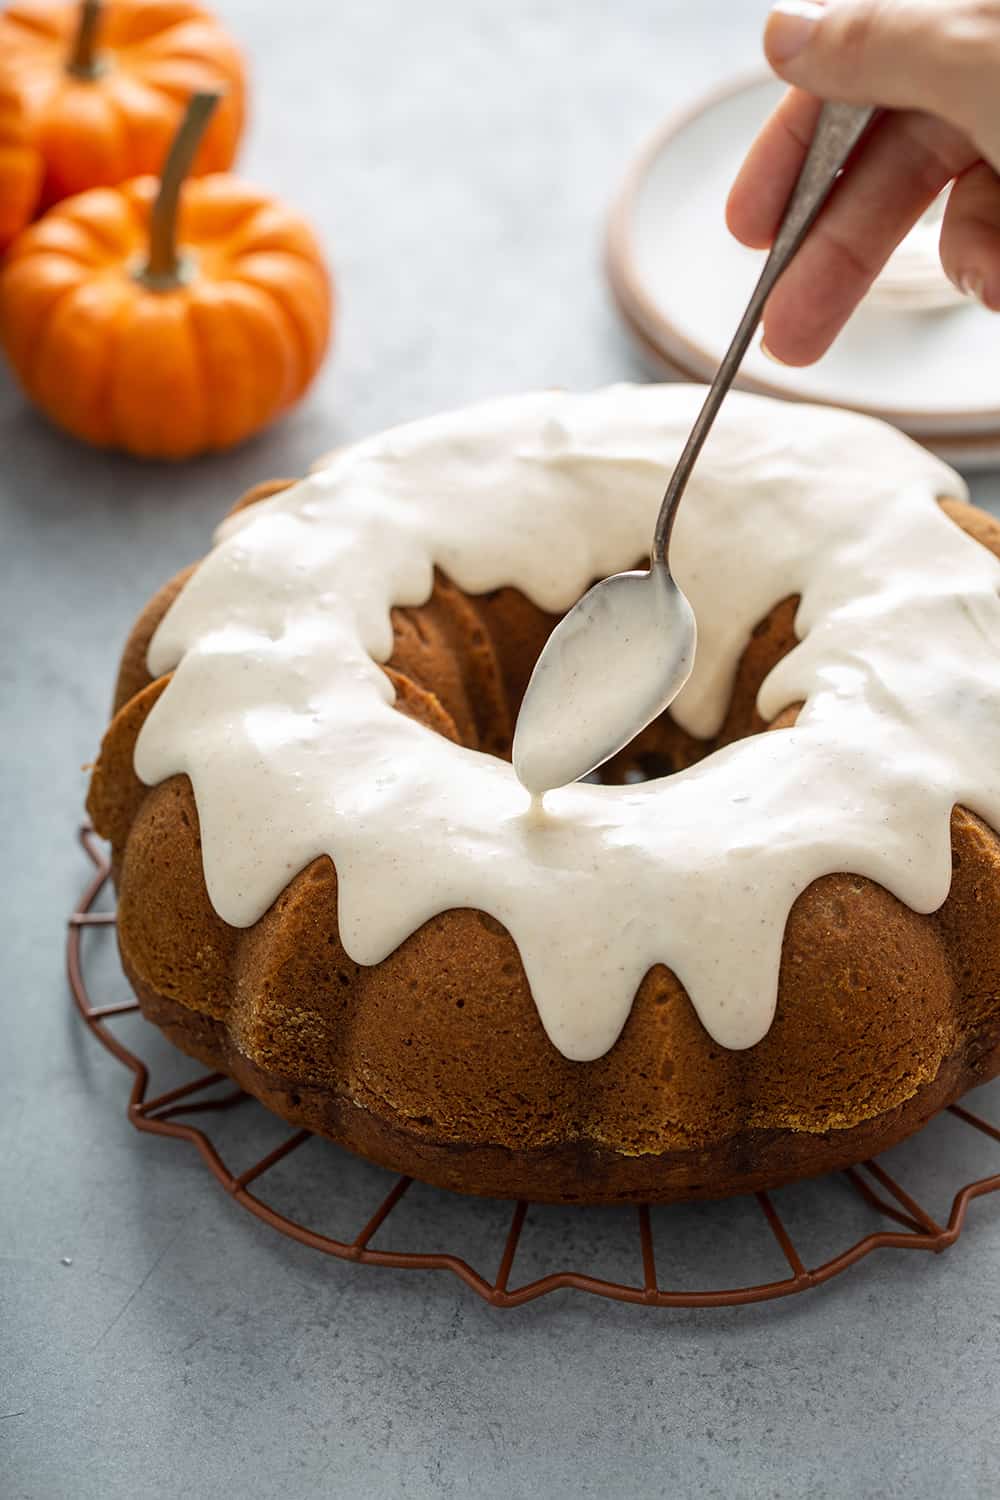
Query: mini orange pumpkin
(105, 85)
(20, 169)
(162, 321)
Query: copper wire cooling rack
(163, 1115)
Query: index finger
(759, 196)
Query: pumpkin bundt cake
(766, 945)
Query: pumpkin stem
(83, 61)
(165, 267)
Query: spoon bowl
(615, 662)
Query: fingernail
(772, 357)
(971, 284)
(789, 27)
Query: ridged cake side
(434, 1062)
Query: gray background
(458, 157)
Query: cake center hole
(461, 665)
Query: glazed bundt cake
(766, 945)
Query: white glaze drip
(285, 725)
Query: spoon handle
(838, 131)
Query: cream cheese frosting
(281, 716)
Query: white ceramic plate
(682, 282)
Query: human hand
(936, 65)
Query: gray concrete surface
(153, 1339)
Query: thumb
(935, 55)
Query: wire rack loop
(165, 1114)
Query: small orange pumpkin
(105, 85)
(162, 321)
(20, 169)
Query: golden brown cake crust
(435, 1063)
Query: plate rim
(953, 447)
(644, 318)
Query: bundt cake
(766, 945)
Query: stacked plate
(915, 353)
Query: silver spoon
(623, 653)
